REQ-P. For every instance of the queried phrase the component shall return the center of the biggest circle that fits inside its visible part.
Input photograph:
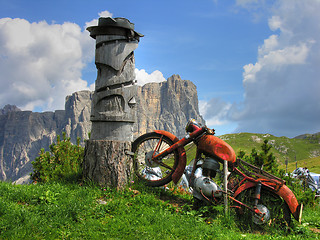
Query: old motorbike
(160, 157)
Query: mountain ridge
(166, 106)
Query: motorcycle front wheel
(154, 173)
(276, 210)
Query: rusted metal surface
(243, 176)
(284, 192)
(214, 146)
(291, 200)
(182, 156)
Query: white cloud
(275, 23)
(282, 87)
(215, 111)
(94, 22)
(41, 63)
(143, 77)
(245, 3)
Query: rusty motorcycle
(160, 157)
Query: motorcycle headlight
(191, 125)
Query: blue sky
(255, 62)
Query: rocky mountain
(9, 108)
(167, 106)
(311, 137)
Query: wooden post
(225, 185)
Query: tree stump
(107, 164)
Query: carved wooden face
(114, 97)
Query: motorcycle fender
(291, 200)
(182, 156)
(244, 187)
(284, 192)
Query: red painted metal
(244, 187)
(284, 192)
(291, 200)
(215, 147)
(182, 156)
(168, 134)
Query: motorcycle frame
(180, 144)
(271, 182)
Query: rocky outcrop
(9, 108)
(166, 106)
(24, 133)
(315, 138)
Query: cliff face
(166, 106)
(24, 133)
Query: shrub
(264, 159)
(267, 161)
(63, 162)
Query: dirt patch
(315, 230)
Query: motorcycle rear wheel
(280, 215)
(154, 174)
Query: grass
(71, 211)
(313, 164)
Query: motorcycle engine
(203, 184)
(207, 187)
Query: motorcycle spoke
(164, 165)
(155, 172)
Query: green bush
(266, 160)
(63, 162)
(303, 193)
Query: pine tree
(62, 162)
(264, 159)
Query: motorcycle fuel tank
(217, 148)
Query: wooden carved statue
(113, 103)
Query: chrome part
(257, 219)
(152, 174)
(207, 186)
(210, 167)
(148, 159)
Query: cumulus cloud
(41, 63)
(143, 77)
(282, 87)
(215, 111)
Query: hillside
(71, 211)
(313, 164)
(294, 149)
